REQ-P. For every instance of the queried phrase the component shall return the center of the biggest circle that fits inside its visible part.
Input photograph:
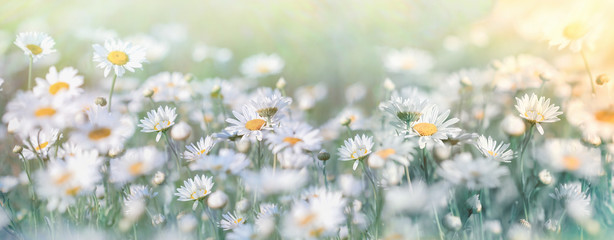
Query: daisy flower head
(296, 136)
(577, 29)
(64, 82)
(320, 217)
(433, 127)
(38, 143)
(227, 161)
(169, 86)
(570, 155)
(195, 189)
(392, 148)
(262, 65)
(134, 163)
(537, 110)
(231, 221)
(490, 149)
(197, 151)
(35, 44)
(247, 123)
(356, 149)
(104, 130)
(33, 112)
(473, 174)
(404, 110)
(271, 105)
(408, 60)
(158, 121)
(118, 56)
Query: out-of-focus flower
(570, 155)
(262, 65)
(231, 221)
(136, 162)
(474, 174)
(408, 60)
(64, 82)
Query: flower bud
(452, 222)
(513, 126)
(187, 223)
(100, 101)
(242, 205)
(188, 77)
(525, 223)
(243, 145)
(158, 220)
(602, 79)
(215, 91)
(323, 155)
(148, 93)
(17, 149)
(389, 85)
(281, 83)
(217, 200)
(545, 177)
(158, 178)
(181, 131)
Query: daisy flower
(284, 180)
(490, 149)
(433, 127)
(136, 162)
(104, 130)
(317, 218)
(270, 104)
(392, 148)
(41, 141)
(247, 123)
(197, 151)
(64, 179)
(308, 96)
(262, 65)
(35, 44)
(474, 174)
(296, 136)
(404, 110)
(408, 60)
(227, 161)
(356, 149)
(293, 160)
(168, 87)
(119, 56)
(576, 29)
(45, 112)
(64, 82)
(195, 189)
(158, 121)
(570, 155)
(231, 221)
(537, 111)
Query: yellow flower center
(407, 64)
(359, 153)
(56, 87)
(99, 133)
(162, 125)
(571, 163)
(316, 232)
(238, 220)
(118, 58)
(255, 124)
(425, 129)
(385, 153)
(575, 30)
(73, 191)
(203, 151)
(136, 168)
(494, 154)
(44, 112)
(35, 49)
(307, 219)
(292, 140)
(62, 179)
(41, 146)
(606, 116)
(534, 115)
(263, 68)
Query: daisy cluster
(518, 148)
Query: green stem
(111, 92)
(426, 167)
(588, 70)
(441, 236)
(30, 73)
(324, 174)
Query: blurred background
(337, 42)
